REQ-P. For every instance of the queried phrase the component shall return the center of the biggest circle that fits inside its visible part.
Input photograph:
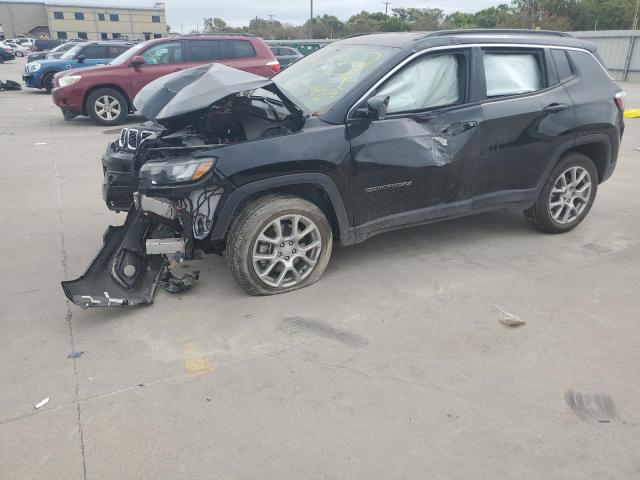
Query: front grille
(123, 138)
(132, 139)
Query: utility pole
(270, 25)
(386, 9)
(311, 22)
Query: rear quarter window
(239, 49)
(514, 72)
(563, 65)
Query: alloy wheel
(286, 251)
(570, 195)
(107, 107)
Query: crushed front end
(171, 201)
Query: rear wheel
(19, 53)
(278, 244)
(567, 196)
(107, 106)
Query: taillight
(274, 65)
(619, 101)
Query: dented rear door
(417, 163)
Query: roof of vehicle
(421, 40)
(115, 43)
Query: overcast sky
(238, 12)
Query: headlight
(68, 80)
(177, 171)
(34, 67)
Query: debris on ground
(173, 284)
(42, 403)
(75, 354)
(509, 319)
(9, 85)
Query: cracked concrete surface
(395, 365)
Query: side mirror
(80, 58)
(376, 108)
(136, 61)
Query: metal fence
(620, 51)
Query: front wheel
(19, 54)
(277, 244)
(567, 196)
(47, 81)
(107, 106)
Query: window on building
(116, 35)
(79, 15)
(512, 73)
(83, 35)
(101, 17)
(62, 35)
(157, 35)
(114, 17)
(58, 15)
(104, 36)
(147, 36)
(155, 18)
(430, 82)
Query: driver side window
(429, 82)
(163, 54)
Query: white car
(18, 50)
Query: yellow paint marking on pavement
(195, 364)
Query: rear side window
(430, 82)
(203, 50)
(93, 52)
(512, 73)
(563, 65)
(238, 49)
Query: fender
(318, 179)
(601, 138)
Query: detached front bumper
(132, 260)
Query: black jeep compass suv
(369, 134)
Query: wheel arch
(598, 147)
(51, 71)
(118, 88)
(316, 188)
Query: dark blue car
(40, 74)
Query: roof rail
(232, 34)
(361, 34)
(515, 31)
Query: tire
(245, 241)
(47, 81)
(107, 116)
(19, 54)
(561, 207)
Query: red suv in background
(106, 92)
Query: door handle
(457, 128)
(556, 107)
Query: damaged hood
(193, 89)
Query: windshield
(127, 54)
(71, 54)
(320, 80)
